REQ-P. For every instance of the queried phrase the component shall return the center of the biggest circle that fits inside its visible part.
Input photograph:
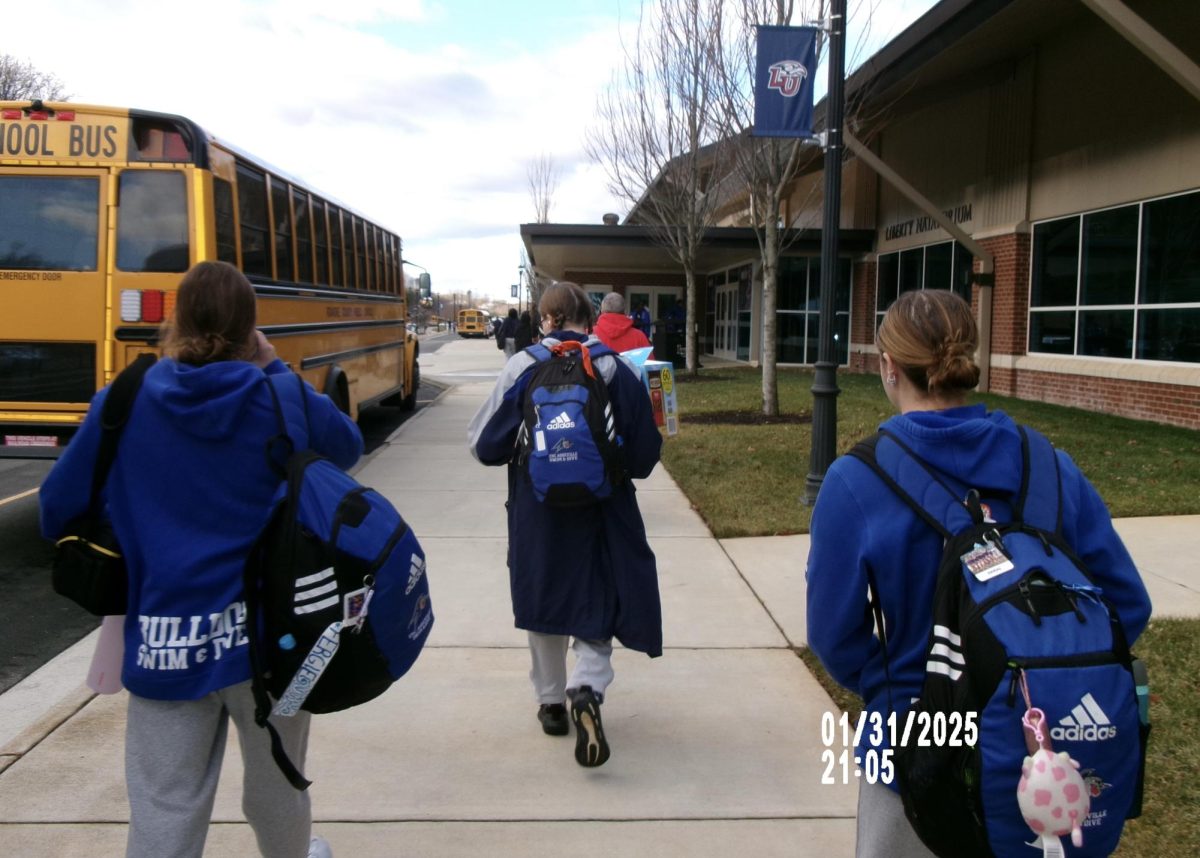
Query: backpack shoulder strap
(600, 349)
(914, 482)
(1039, 501)
(118, 405)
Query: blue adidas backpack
(337, 600)
(1016, 618)
(568, 440)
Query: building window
(798, 314)
(946, 265)
(1122, 282)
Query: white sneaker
(318, 847)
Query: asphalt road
(35, 623)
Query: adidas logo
(945, 656)
(562, 421)
(316, 592)
(415, 571)
(1086, 723)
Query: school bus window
(353, 268)
(373, 256)
(335, 246)
(360, 236)
(49, 223)
(369, 244)
(304, 244)
(360, 244)
(380, 281)
(160, 141)
(321, 233)
(226, 228)
(252, 213)
(400, 263)
(391, 263)
(284, 270)
(387, 263)
(152, 227)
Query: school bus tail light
(146, 305)
(10, 113)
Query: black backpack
(337, 601)
(1017, 623)
(568, 442)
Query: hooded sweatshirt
(618, 333)
(188, 494)
(861, 529)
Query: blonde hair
(214, 318)
(931, 336)
(565, 303)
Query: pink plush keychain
(1054, 799)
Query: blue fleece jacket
(859, 526)
(188, 494)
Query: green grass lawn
(748, 480)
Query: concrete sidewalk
(716, 746)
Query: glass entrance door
(725, 323)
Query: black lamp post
(825, 389)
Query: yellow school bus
(474, 323)
(103, 209)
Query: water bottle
(1141, 681)
(104, 674)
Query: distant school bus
(474, 323)
(103, 209)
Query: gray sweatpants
(593, 666)
(883, 829)
(173, 755)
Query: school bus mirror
(425, 284)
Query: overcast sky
(421, 114)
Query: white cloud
(430, 139)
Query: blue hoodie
(859, 524)
(188, 494)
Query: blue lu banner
(783, 81)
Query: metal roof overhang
(554, 249)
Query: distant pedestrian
(587, 571)
(641, 318)
(525, 336)
(615, 329)
(187, 506)
(508, 332)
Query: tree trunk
(691, 341)
(770, 276)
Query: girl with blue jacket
(586, 572)
(862, 531)
(189, 492)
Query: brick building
(1039, 130)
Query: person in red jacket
(615, 329)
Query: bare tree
(769, 166)
(20, 81)
(543, 176)
(656, 136)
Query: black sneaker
(591, 748)
(554, 719)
